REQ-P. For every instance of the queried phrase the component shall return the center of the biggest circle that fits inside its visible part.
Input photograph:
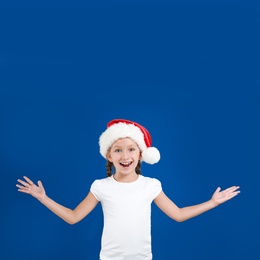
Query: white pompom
(151, 155)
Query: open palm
(29, 187)
(227, 194)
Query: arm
(68, 215)
(185, 213)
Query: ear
(109, 158)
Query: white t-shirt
(127, 217)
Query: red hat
(121, 128)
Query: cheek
(113, 157)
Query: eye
(117, 150)
(132, 149)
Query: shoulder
(152, 186)
(150, 180)
(102, 181)
(100, 186)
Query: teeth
(126, 164)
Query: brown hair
(110, 166)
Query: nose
(125, 154)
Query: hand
(30, 188)
(227, 194)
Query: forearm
(186, 213)
(182, 214)
(65, 213)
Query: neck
(125, 178)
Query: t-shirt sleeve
(157, 188)
(95, 189)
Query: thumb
(218, 189)
(40, 184)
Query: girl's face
(124, 154)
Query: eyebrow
(118, 146)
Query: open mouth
(126, 164)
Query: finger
(24, 183)
(24, 191)
(28, 180)
(20, 186)
(40, 184)
(233, 194)
(231, 189)
(23, 188)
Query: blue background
(186, 70)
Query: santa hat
(121, 128)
